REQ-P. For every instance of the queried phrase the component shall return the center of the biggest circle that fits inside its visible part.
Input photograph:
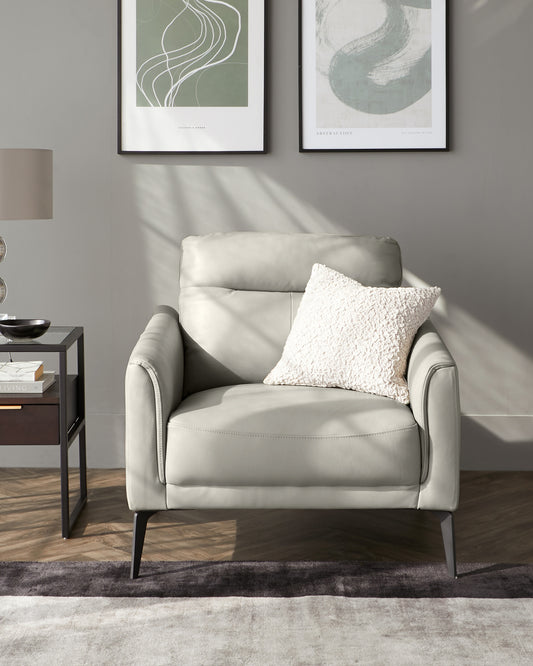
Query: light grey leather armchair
(203, 431)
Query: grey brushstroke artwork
(376, 58)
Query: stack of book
(24, 377)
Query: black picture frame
(352, 94)
(192, 98)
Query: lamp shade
(25, 184)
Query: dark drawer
(29, 424)
(29, 419)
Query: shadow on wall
(177, 201)
(496, 384)
(494, 16)
(502, 444)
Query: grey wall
(110, 254)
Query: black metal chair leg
(140, 520)
(448, 537)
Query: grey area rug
(265, 579)
(310, 631)
(264, 613)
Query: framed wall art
(191, 76)
(373, 75)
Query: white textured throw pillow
(351, 336)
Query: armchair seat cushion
(260, 435)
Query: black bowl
(15, 329)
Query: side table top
(56, 338)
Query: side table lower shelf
(44, 419)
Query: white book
(38, 386)
(20, 371)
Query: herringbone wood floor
(493, 524)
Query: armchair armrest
(433, 384)
(154, 386)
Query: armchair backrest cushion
(240, 291)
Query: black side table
(56, 416)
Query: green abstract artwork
(192, 53)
